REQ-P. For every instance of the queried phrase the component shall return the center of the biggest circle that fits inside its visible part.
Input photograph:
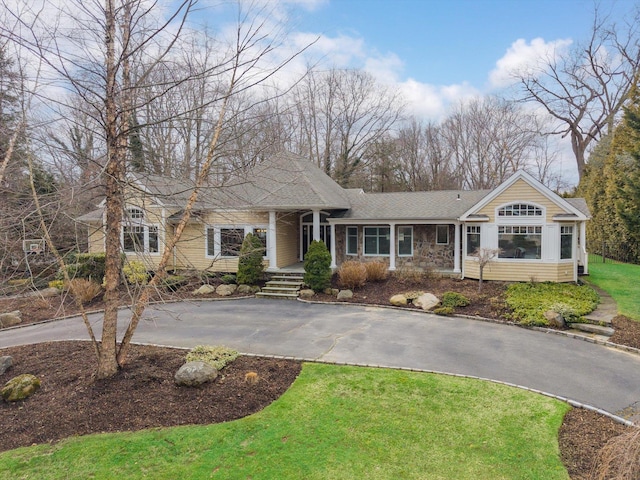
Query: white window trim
(145, 248)
(521, 218)
(447, 230)
(466, 239)
(346, 242)
(521, 225)
(252, 229)
(398, 241)
(573, 244)
(364, 250)
(217, 238)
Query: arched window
(520, 210)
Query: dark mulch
(152, 399)
(142, 395)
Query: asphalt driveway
(595, 375)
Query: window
(376, 240)
(520, 241)
(520, 210)
(442, 234)
(566, 242)
(405, 241)
(352, 240)
(231, 241)
(473, 239)
(211, 242)
(135, 213)
(140, 239)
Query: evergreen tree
(250, 265)
(317, 266)
(628, 206)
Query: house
(287, 202)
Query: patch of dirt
(144, 395)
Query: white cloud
(522, 56)
(432, 102)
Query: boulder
(10, 319)
(555, 319)
(426, 301)
(306, 293)
(331, 291)
(398, 300)
(20, 387)
(48, 292)
(204, 289)
(192, 374)
(5, 363)
(248, 289)
(342, 294)
(226, 290)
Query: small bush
(352, 274)
(174, 282)
(376, 271)
(135, 272)
(83, 289)
(454, 299)
(218, 357)
(250, 265)
(84, 265)
(59, 284)
(229, 279)
(317, 266)
(251, 378)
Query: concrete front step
(270, 289)
(591, 328)
(287, 278)
(264, 294)
(278, 283)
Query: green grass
(621, 281)
(334, 423)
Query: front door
(307, 232)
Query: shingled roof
(406, 206)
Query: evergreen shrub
(317, 266)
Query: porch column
(582, 247)
(457, 250)
(392, 247)
(316, 225)
(271, 241)
(333, 246)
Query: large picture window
(473, 239)
(520, 241)
(352, 240)
(405, 241)
(376, 240)
(566, 242)
(230, 241)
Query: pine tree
(628, 206)
(250, 265)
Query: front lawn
(334, 422)
(621, 281)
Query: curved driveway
(584, 372)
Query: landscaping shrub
(529, 301)
(352, 274)
(454, 299)
(250, 264)
(84, 289)
(229, 279)
(409, 275)
(317, 266)
(84, 265)
(135, 272)
(218, 357)
(443, 311)
(376, 271)
(174, 282)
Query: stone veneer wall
(426, 254)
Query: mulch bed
(142, 395)
(153, 400)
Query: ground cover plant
(334, 422)
(620, 280)
(529, 301)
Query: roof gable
(576, 208)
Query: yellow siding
(521, 272)
(521, 192)
(287, 239)
(96, 238)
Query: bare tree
(584, 89)
(340, 114)
(484, 257)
